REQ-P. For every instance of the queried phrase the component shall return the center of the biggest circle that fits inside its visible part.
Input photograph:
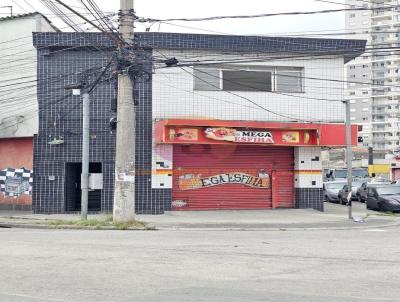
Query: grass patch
(387, 213)
(97, 224)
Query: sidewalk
(334, 217)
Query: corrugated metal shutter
(282, 189)
(192, 162)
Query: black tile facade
(62, 57)
(309, 198)
(316, 46)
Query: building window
(206, 79)
(289, 81)
(239, 78)
(233, 80)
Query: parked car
(341, 174)
(384, 198)
(362, 191)
(380, 180)
(331, 190)
(344, 191)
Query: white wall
(174, 97)
(18, 100)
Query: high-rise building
(373, 77)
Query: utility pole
(76, 90)
(124, 191)
(349, 156)
(85, 155)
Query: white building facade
(18, 106)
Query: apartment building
(373, 77)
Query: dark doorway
(73, 188)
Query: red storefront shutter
(196, 167)
(282, 189)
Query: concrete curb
(203, 227)
(65, 227)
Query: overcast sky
(189, 8)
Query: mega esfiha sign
(197, 181)
(239, 136)
(227, 135)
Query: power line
(116, 39)
(243, 97)
(46, 106)
(213, 18)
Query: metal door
(282, 189)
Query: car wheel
(343, 202)
(382, 208)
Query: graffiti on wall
(15, 182)
(192, 182)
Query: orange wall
(16, 153)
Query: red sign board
(226, 135)
(191, 131)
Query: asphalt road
(71, 265)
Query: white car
(380, 180)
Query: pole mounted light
(77, 89)
(349, 157)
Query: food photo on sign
(241, 136)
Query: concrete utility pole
(77, 90)
(349, 156)
(85, 155)
(124, 192)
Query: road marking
(375, 230)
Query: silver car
(331, 190)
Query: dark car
(331, 190)
(362, 191)
(384, 198)
(344, 192)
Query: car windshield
(335, 185)
(340, 173)
(389, 190)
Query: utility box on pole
(124, 192)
